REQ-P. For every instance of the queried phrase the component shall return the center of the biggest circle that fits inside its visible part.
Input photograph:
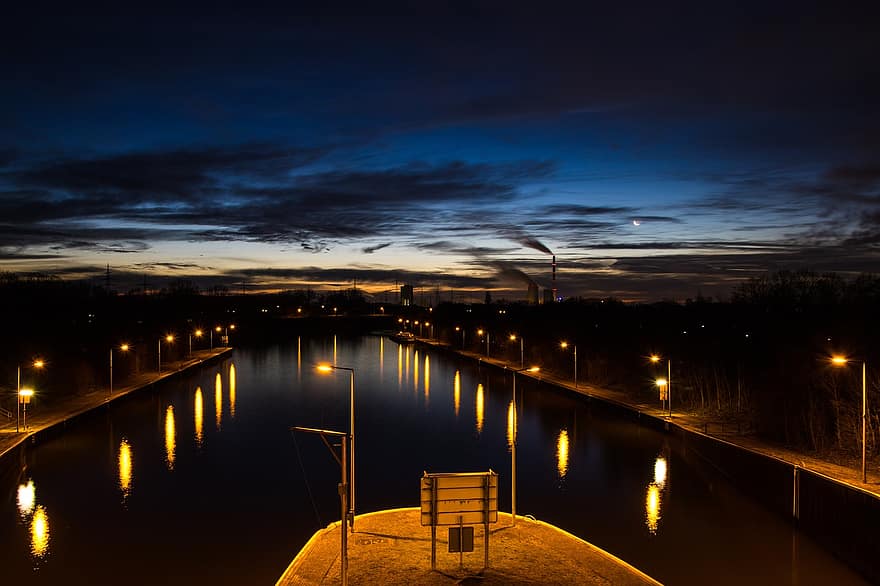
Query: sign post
(458, 499)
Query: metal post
(160, 355)
(521, 352)
(669, 386)
(343, 497)
(212, 338)
(513, 458)
(111, 372)
(433, 524)
(864, 420)
(18, 402)
(486, 480)
(351, 434)
(575, 367)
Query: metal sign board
(459, 498)
(461, 539)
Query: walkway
(392, 547)
(40, 418)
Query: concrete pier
(392, 547)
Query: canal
(200, 481)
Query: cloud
(372, 249)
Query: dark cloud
(372, 249)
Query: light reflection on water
(170, 437)
(480, 406)
(456, 391)
(198, 416)
(40, 533)
(562, 454)
(616, 489)
(125, 473)
(232, 391)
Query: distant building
(548, 295)
(406, 295)
(532, 295)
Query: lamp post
(327, 368)
(123, 348)
(197, 334)
(513, 445)
(655, 359)
(513, 338)
(480, 332)
(18, 396)
(461, 329)
(564, 345)
(24, 397)
(842, 361)
(169, 338)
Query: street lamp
(198, 334)
(327, 368)
(169, 338)
(655, 359)
(564, 345)
(521, 353)
(18, 396)
(461, 329)
(123, 348)
(480, 332)
(24, 397)
(513, 444)
(842, 361)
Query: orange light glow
(839, 360)
(27, 498)
(218, 400)
(170, 437)
(652, 508)
(456, 392)
(40, 532)
(125, 475)
(198, 416)
(232, 391)
(480, 406)
(562, 454)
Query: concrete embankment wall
(843, 519)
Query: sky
(660, 151)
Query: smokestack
(554, 279)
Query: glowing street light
(122, 348)
(513, 338)
(18, 396)
(197, 334)
(24, 397)
(668, 382)
(328, 368)
(843, 361)
(564, 345)
(461, 329)
(169, 338)
(480, 332)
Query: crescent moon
(637, 222)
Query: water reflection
(652, 508)
(381, 358)
(562, 454)
(232, 391)
(218, 400)
(170, 437)
(40, 532)
(416, 370)
(406, 362)
(124, 468)
(655, 494)
(299, 358)
(511, 425)
(198, 415)
(660, 471)
(399, 367)
(427, 378)
(27, 496)
(456, 391)
(480, 406)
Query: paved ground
(391, 547)
(40, 417)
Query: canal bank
(392, 547)
(41, 420)
(827, 501)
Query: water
(200, 481)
